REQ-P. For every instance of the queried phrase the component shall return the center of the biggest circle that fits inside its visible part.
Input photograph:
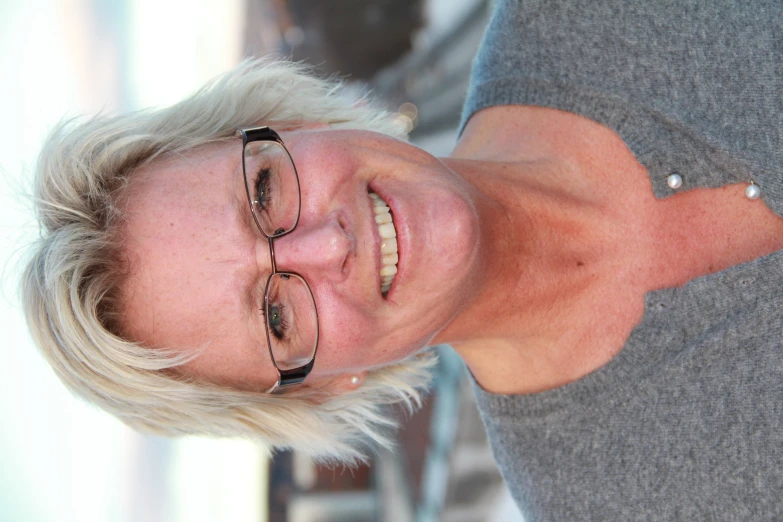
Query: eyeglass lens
(291, 320)
(273, 186)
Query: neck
(558, 244)
(537, 248)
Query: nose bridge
(315, 250)
(271, 248)
(265, 254)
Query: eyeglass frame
(299, 374)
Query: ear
(340, 384)
(299, 125)
(328, 388)
(312, 125)
(348, 382)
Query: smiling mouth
(389, 258)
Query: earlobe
(339, 385)
(348, 382)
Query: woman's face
(199, 264)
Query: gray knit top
(686, 422)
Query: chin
(455, 241)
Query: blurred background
(62, 460)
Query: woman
(602, 248)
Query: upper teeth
(388, 235)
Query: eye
(277, 324)
(263, 188)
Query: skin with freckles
(530, 250)
(200, 263)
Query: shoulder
(515, 133)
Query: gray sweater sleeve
(686, 423)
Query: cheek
(323, 166)
(345, 333)
(352, 339)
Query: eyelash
(263, 178)
(283, 323)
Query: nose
(317, 251)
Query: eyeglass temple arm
(290, 377)
(259, 133)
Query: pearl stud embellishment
(752, 192)
(674, 181)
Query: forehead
(193, 269)
(214, 164)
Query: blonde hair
(71, 284)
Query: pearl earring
(355, 380)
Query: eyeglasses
(273, 192)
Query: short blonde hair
(71, 284)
